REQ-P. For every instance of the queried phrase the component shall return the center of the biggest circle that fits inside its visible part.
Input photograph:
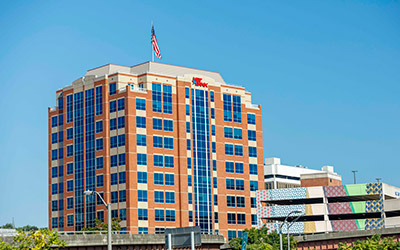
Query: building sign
(197, 82)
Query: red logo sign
(197, 81)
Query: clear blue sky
(326, 73)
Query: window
(121, 122)
(70, 186)
(169, 215)
(230, 184)
(187, 144)
(216, 220)
(212, 96)
(252, 135)
(251, 119)
(122, 196)
(158, 161)
(214, 163)
(70, 150)
(227, 107)
(99, 100)
(122, 214)
(240, 201)
(142, 177)
(60, 136)
(215, 200)
(70, 168)
(230, 201)
(189, 163)
(159, 214)
(212, 113)
(54, 188)
(99, 163)
(229, 167)
(239, 167)
(169, 161)
(61, 205)
(168, 125)
(113, 142)
(190, 198)
(114, 179)
(69, 108)
(142, 195)
(70, 203)
(143, 230)
(167, 99)
(156, 94)
(98, 199)
(141, 140)
(158, 179)
(54, 206)
(122, 177)
(157, 124)
(60, 171)
(228, 149)
(213, 130)
(54, 154)
(228, 133)
(231, 218)
(114, 160)
(187, 109)
(54, 172)
(121, 140)
(186, 92)
(215, 183)
(231, 234)
(158, 196)
(157, 142)
(140, 104)
(99, 181)
(99, 144)
(142, 159)
(113, 124)
(70, 133)
(187, 127)
(141, 122)
(113, 106)
(189, 180)
(113, 88)
(54, 121)
(99, 127)
(253, 219)
(239, 184)
(169, 179)
(54, 138)
(121, 159)
(114, 213)
(121, 104)
(142, 214)
(241, 219)
(238, 133)
(237, 109)
(214, 147)
(253, 185)
(60, 153)
(253, 202)
(169, 142)
(190, 216)
(114, 197)
(252, 152)
(169, 197)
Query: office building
(167, 146)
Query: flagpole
(151, 45)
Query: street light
(89, 192)
(281, 225)
(291, 223)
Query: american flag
(154, 43)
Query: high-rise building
(167, 146)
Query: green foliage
(39, 239)
(260, 239)
(28, 228)
(100, 226)
(373, 243)
(7, 226)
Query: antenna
(354, 173)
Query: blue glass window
(215, 183)
(212, 96)
(159, 214)
(169, 197)
(113, 106)
(253, 169)
(113, 88)
(60, 171)
(230, 201)
(60, 187)
(190, 198)
(157, 141)
(169, 142)
(141, 140)
(239, 167)
(121, 104)
(113, 123)
(252, 135)
(187, 144)
(239, 184)
(70, 203)
(113, 142)
(60, 136)
(142, 195)
(142, 159)
(54, 222)
(253, 185)
(54, 188)
(122, 196)
(141, 122)
(214, 147)
(230, 184)
(142, 214)
(187, 109)
(169, 179)
(189, 163)
(99, 144)
(54, 138)
(228, 133)
(231, 220)
(237, 109)
(114, 197)
(100, 215)
(157, 124)
(167, 99)
(228, 149)
(190, 216)
(121, 122)
(212, 113)
(158, 161)
(114, 160)
(99, 100)
(99, 181)
(121, 140)
(60, 153)
(121, 159)
(114, 179)
(213, 130)
(189, 180)
(238, 133)
(186, 92)
(158, 197)
(156, 94)
(70, 112)
(70, 186)
(114, 213)
(241, 219)
(169, 215)
(158, 179)
(251, 118)
(70, 133)
(214, 164)
(169, 161)
(229, 167)
(227, 107)
(99, 163)
(238, 150)
(142, 177)
(122, 214)
(54, 173)
(99, 126)
(54, 121)
(187, 127)
(140, 104)
(253, 202)
(168, 125)
(252, 152)
(215, 200)
(70, 168)
(70, 150)
(54, 154)
(216, 221)
(253, 219)
(121, 177)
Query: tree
(28, 228)
(101, 226)
(260, 239)
(373, 243)
(7, 226)
(40, 239)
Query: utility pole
(378, 179)
(354, 173)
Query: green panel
(361, 224)
(356, 189)
(358, 206)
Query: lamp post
(108, 206)
(291, 223)
(281, 225)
